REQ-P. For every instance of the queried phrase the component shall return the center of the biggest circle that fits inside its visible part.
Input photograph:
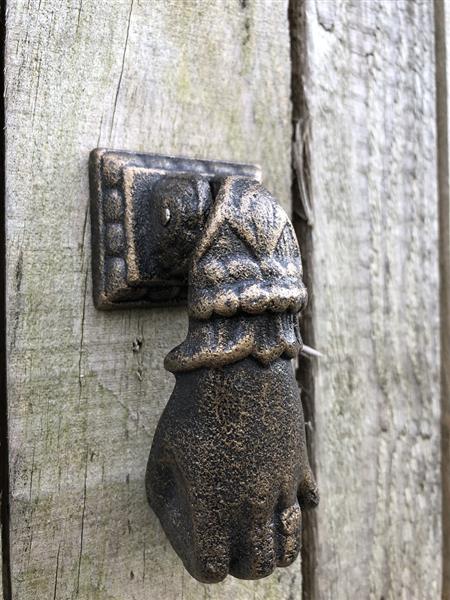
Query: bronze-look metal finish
(137, 258)
(228, 472)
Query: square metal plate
(121, 187)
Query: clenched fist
(228, 472)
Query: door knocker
(228, 472)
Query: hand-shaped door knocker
(228, 471)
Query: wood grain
(198, 78)
(368, 85)
(212, 79)
(442, 34)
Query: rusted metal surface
(138, 256)
(228, 472)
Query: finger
(288, 534)
(254, 551)
(308, 492)
(210, 548)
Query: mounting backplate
(122, 191)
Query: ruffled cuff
(221, 341)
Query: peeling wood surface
(208, 79)
(371, 134)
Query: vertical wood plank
(199, 78)
(442, 30)
(4, 479)
(369, 126)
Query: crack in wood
(119, 83)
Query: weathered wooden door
(336, 101)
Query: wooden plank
(198, 78)
(369, 126)
(442, 32)
(4, 492)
